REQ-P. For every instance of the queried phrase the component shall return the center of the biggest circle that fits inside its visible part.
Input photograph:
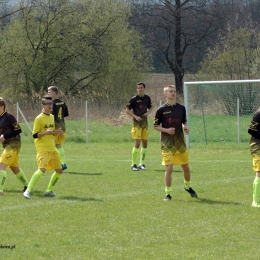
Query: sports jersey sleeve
(184, 117)
(157, 118)
(129, 105)
(66, 111)
(36, 126)
(15, 128)
(254, 127)
(150, 105)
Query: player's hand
(171, 131)
(138, 118)
(186, 130)
(59, 131)
(2, 139)
(50, 131)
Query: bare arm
(186, 128)
(148, 112)
(170, 131)
(49, 131)
(130, 112)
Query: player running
(47, 155)
(10, 137)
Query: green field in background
(208, 130)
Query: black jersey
(60, 110)
(254, 130)
(11, 130)
(172, 116)
(140, 106)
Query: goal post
(232, 96)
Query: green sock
(134, 155)
(256, 190)
(168, 190)
(54, 178)
(36, 176)
(58, 151)
(142, 155)
(22, 178)
(2, 179)
(187, 184)
(61, 155)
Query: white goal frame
(186, 94)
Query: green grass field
(103, 210)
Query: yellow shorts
(139, 133)
(60, 139)
(256, 163)
(10, 157)
(175, 159)
(48, 160)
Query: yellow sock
(36, 176)
(61, 154)
(134, 155)
(256, 190)
(54, 178)
(22, 178)
(187, 184)
(142, 155)
(2, 179)
(168, 190)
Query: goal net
(220, 111)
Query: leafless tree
(179, 31)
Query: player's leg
(187, 187)
(168, 181)
(136, 135)
(3, 176)
(256, 183)
(35, 177)
(54, 162)
(167, 160)
(19, 174)
(144, 138)
(256, 190)
(7, 158)
(59, 140)
(42, 159)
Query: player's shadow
(14, 191)
(174, 171)
(215, 202)
(72, 198)
(85, 173)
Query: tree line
(100, 49)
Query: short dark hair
(141, 83)
(46, 97)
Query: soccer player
(47, 155)
(139, 107)
(10, 137)
(254, 131)
(170, 119)
(59, 110)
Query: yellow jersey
(45, 143)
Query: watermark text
(7, 247)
